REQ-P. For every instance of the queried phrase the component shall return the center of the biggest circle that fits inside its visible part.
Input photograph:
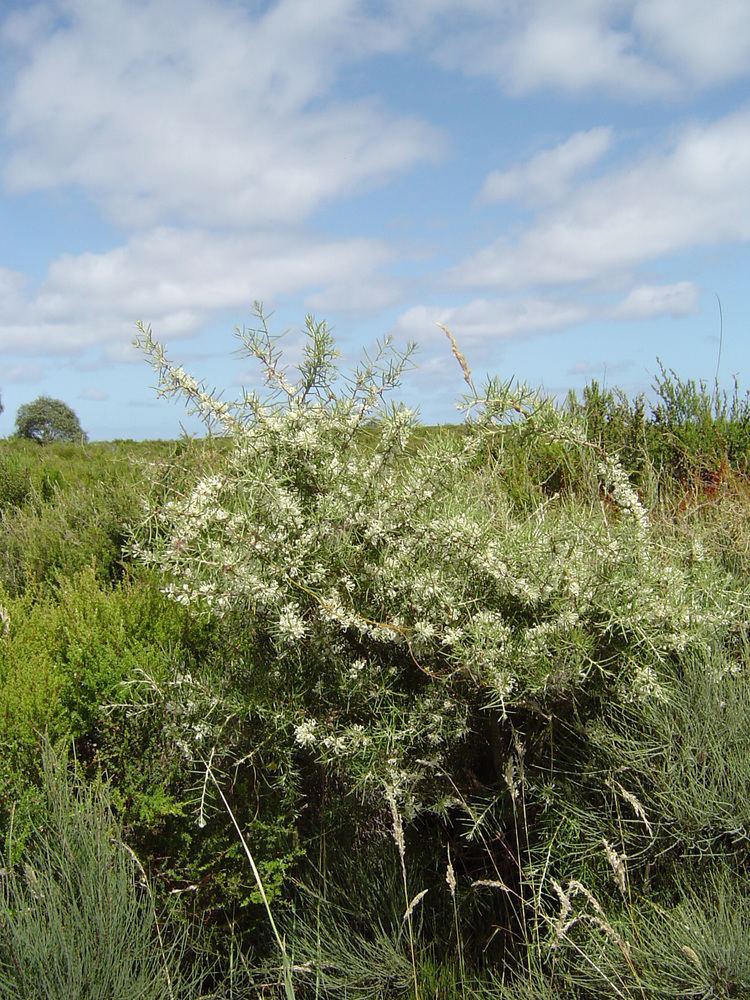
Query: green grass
(78, 918)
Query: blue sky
(564, 183)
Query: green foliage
(15, 483)
(617, 424)
(168, 803)
(639, 888)
(698, 429)
(474, 699)
(45, 420)
(44, 541)
(77, 918)
(690, 433)
(62, 656)
(687, 756)
(399, 595)
(696, 945)
(66, 508)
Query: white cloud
(484, 319)
(581, 46)
(505, 319)
(187, 110)
(12, 285)
(177, 280)
(708, 42)
(646, 301)
(217, 113)
(94, 395)
(626, 48)
(548, 175)
(694, 193)
(22, 373)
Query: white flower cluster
(290, 626)
(399, 591)
(305, 734)
(622, 491)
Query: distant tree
(46, 420)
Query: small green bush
(77, 918)
(691, 433)
(81, 527)
(700, 428)
(62, 656)
(15, 484)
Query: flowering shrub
(390, 600)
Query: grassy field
(336, 705)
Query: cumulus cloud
(210, 130)
(109, 92)
(176, 279)
(102, 95)
(484, 319)
(694, 193)
(707, 43)
(577, 47)
(548, 175)
(505, 319)
(646, 301)
(627, 48)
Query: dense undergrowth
(339, 705)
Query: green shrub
(617, 424)
(167, 801)
(62, 657)
(432, 624)
(73, 530)
(397, 598)
(633, 859)
(699, 428)
(692, 433)
(77, 917)
(687, 757)
(15, 483)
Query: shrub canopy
(45, 420)
(404, 599)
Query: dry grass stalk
(459, 356)
(634, 803)
(617, 864)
